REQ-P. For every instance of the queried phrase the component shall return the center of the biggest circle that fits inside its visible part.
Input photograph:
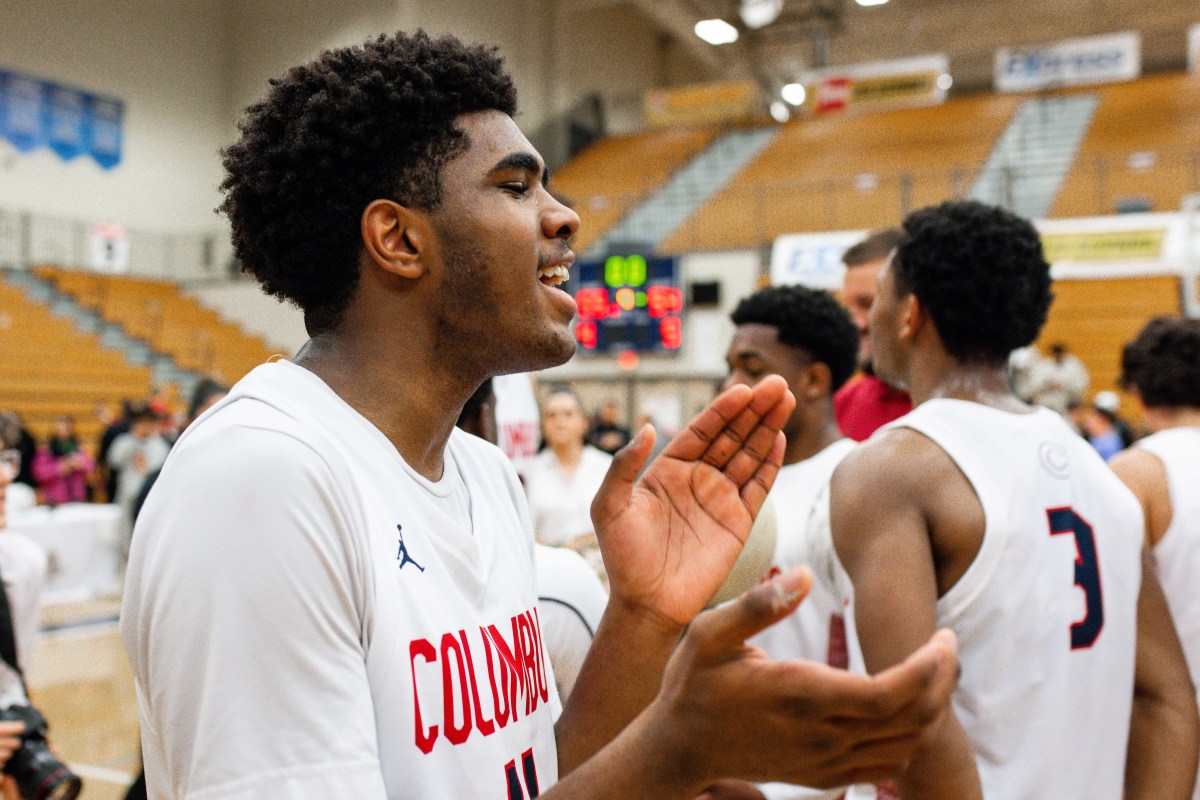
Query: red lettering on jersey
(837, 655)
(516, 670)
(455, 733)
(519, 439)
(483, 723)
(424, 737)
(502, 713)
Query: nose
(559, 221)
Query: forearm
(944, 769)
(619, 678)
(1163, 741)
(641, 762)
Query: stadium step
(690, 187)
(112, 336)
(1032, 157)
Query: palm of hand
(670, 540)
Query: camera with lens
(39, 774)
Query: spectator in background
(62, 467)
(113, 427)
(26, 445)
(133, 456)
(866, 403)
(563, 479)
(1057, 381)
(607, 435)
(1100, 429)
(1111, 402)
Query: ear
(396, 238)
(913, 318)
(817, 380)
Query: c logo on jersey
(402, 554)
(1054, 459)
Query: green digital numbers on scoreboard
(624, 271)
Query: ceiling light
(944, 81)
(793, 93)
(716, 31)
(870, 2)
(759, 13)
(780, 111)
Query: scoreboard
(630, 302)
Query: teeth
(554, 276)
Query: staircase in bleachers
(51, 368)
(688, 188)
(196, 339)
(1031, 159)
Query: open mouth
(554, 275)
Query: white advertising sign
(1194, 49)
(1073, 62)
(812, 259)
(109, 245)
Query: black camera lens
(39, 774)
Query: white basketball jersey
(308, 617)
(1046, 614)
(816, 631)
(1177, 554)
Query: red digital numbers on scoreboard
(593, 303)
(663, 300)
(585, 333)
(671, 331)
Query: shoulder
(897, 459)
(1139, 469)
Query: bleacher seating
(609, 178)
(848, 171)
(196, 337)
(1095, 318)
(1144, 142)
(49, 369)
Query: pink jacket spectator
(62, 479)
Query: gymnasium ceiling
(968, 31)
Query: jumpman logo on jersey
(402, 554)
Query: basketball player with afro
(980, 513)
(331, 589)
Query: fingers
(9, 790)
(731, 421)
(754, 491)
(925, 679)
(726, 628)
(615, 489)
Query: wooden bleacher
(844, 172)
(1094, 318)
(609, 178)
(1157, 115)
(49, 369)
(158, 312)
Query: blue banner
(35, 113)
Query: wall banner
(1073, 62)
(35, 113)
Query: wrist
(633, 619)
(670, 760)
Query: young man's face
(885, 321)
(756, 352)
(498, 233)
(858, 292)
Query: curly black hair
(809, 319)
(980, 273)
(1163, 363)
(355, 125)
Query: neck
(818, 430)
(567, 453)
(403, 391)
(937, 375)
(1160, 418)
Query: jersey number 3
(1087, 574)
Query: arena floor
(81, 681)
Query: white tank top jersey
(816, 631)
(308, 618)
(1046, 614)
(571, 601)
(1177, 554)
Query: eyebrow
(526, 161)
